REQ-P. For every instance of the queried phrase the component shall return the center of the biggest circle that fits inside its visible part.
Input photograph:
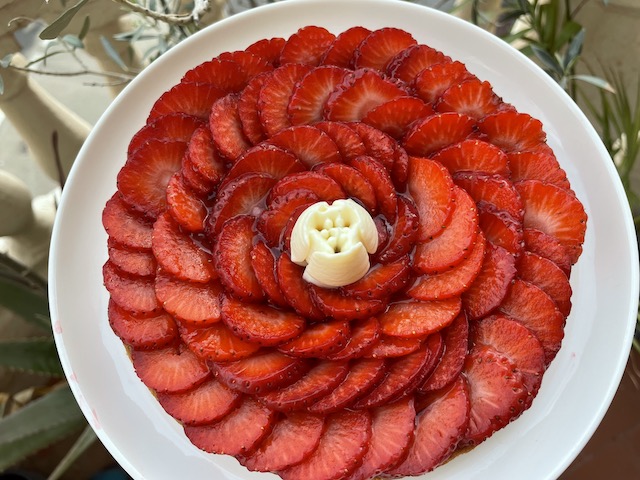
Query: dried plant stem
(75, 73)
(200, 7)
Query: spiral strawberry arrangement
(446, 337)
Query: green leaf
(113, 54)
(6, 60)
(41, 423)
(83, 442)
(575, 47)
(1, 85)
(73, 40)
(37, 355)
(596, 82)
(85, 28)
(547, 60)
(568, 32)
(60, 23)
(28, 303)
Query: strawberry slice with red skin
(512, 131)
(556, 212)
(537, 165)
(474, 155)
(318, 340)
(237, 433)
(341, 50)
(456, 345)
(306, 46)
(310, 95)
(456, 240)
(491, 285)
(269, 49)
(359, 93)
(334, 304)
(295, 289)
(216, 343)
(323, 186)
(452, 282)
(262, 372)
(404, 234)
(226, 127)
(243, 195)
(317, 382)
(178, 253)
(264, 266)
(408, 63)
(137, 263)
(126, 226)
(381, 281)
(438, 429)
(547, 247)
(193, 178)
(496, 393)
(492, 189)
(259, 323)
(548, 277)
(347, 140)
(267, 159)
(380, 146)
(196, 304)
(383, 187)
(396, 116)
(171, 369)
(437, 132)
(273, 220)
(310, 145)
(206, 403)
(172, 127)
(473, 98)
(142, 333)
(500, 228)
(364, 333)
(433, 81)
(342, 446)
(363, 376)
(226, 75)
(387, 346)
(252, 65)
(184, 205)
(190, 98)
(418, 318)
(133, 294)
(292, 440)
(530, 306)
(354, 183)
(400, 168)
(380, 46)
(203, 157)
(248, 109)
(431, 188)
(143, 179)
(275, 95)
(230, 254)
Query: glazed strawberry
(396, 116)
(381, 281)
(359, 93)
(269, 49)
(125, 226)
(203, 157)
(512, 131)
(196, 182)
(262, 372)
(323, 186)
(348, 142)
(260, 324)
(387, 346)
(548, 277)
(364, 333)
(310, 145)
(295, 289)
(237, 433)
(169, 369)
(138, 263)
(379, 145)
(474, 155)
(318, 340)
(342, 446)
(405, 231)
(248, 109)
(189, 98)
(380, 180)
(264, 267)
(144, 177)
(142, 333)
(492, 189)
(537, 165)
(418, 319)
(407, 64)
(226, 75)
(341, 50)
(230, 254)
(400, 168)
(436, 132)
(203, 404)
(216, 343)
(273, 220)
(252, 65)
(433, 81)
(184, 205)
(547, 247)
(226, 127)
(471, 97)
(336, 305)
(380, 47)
(354, 183)
(267, 159)
(171, 127)
(133, 294)
(292, 439)
(306, 46)
(500, 228)
(196, 304)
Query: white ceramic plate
(578, 387)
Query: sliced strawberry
(262, 372)
(310, 145)
(306, 46)
(512, 131)
(548, 277)
(472, 97)
(418, 319)
(396, 116)
(537, 165)
(492, 189)
(547, 247)
(142, 333)
(318, 340)
(193, 178)
(342, 445)
(226, 128)
(206, 403)
(456, 240)
(226, 75)
(381, 281)
(336, 305)
(346, 139)
(473, 155)
(500, 228)
(264, 266)
(433, 81)
(496, 393)
(133, 294)
(144, 177)
(216, 343)
(244, 195)
(387, 346)
(431, 187)
(341, 50)
(533, 308)
(203, 156)
(171, 369)
(439, 428)
(237, 433)
(364, 333)
(380, 46)
(492, 283)
(383, 187)
(269, 49)
(248, 109)
(264, 158)
(436, 132)
(323, 186)
(380, 146)
(292, 440)
(400, 168)
(230, 254)
(452, 282)
(295, 289)
(178, 253)
(184, 205)
(250, 64)
(125, 226)
(317, 382)
(140, 263)
(354, 183)
(196, 304)
(171, 127)
(408, 63)
(405, 231)
(273, 220)
(189, 98)
(456, 340)
(275, 96)
(555, 212)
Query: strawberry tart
(340, 256)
